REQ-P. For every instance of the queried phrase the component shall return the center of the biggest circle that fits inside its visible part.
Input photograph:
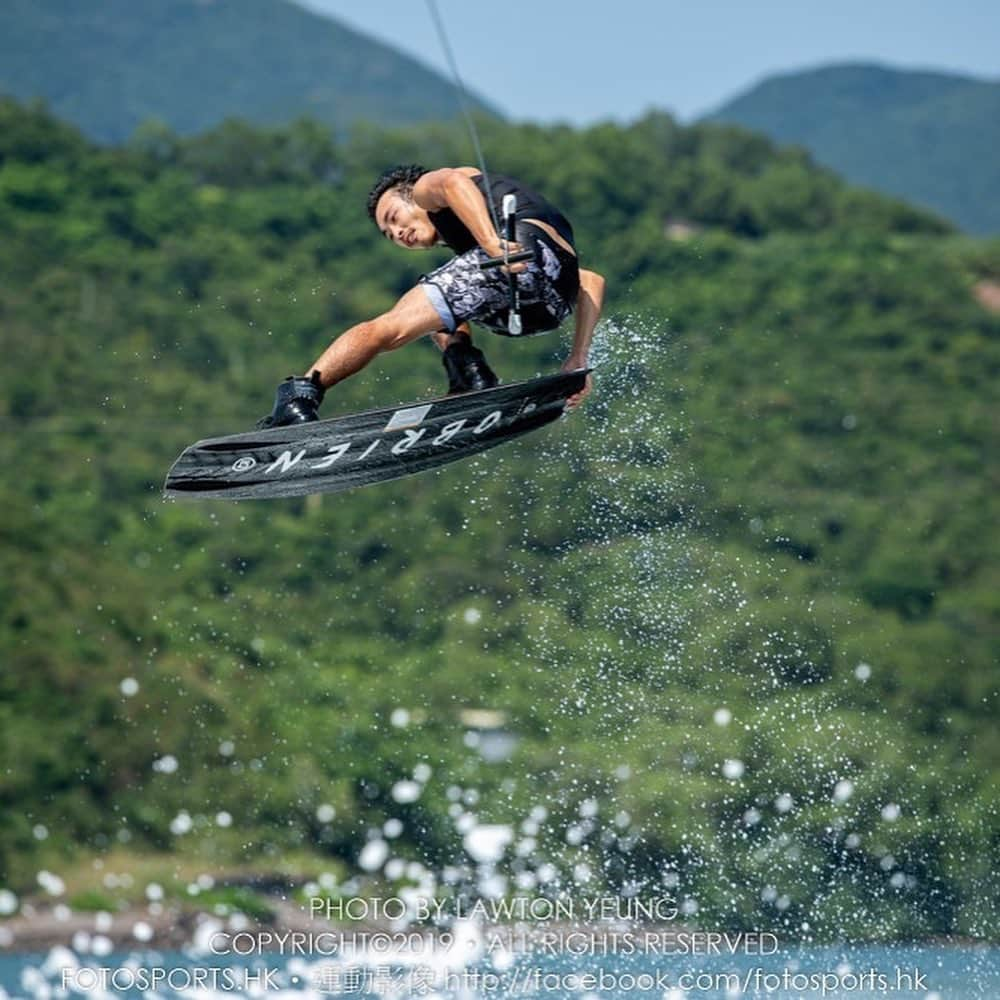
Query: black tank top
(530, 205)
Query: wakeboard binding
(296, 401)
(467, 369)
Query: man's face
(403, 222)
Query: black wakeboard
(371, 447)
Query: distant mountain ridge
(930, 137)
(110, 65)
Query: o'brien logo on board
(412, 435)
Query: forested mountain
(735, 620)
(931, 138)
(110, 65)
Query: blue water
(834, 973)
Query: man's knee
(388, 331)
(411, 317)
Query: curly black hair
(403, 177)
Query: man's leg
(411, 317)
(297, 399)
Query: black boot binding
(295, 402)
(467, 369)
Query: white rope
(463, 100)
(510, 201)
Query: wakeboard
(327, 456)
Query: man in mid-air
(418, 209)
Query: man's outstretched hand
(572, 365)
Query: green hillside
(734, 622)
(931, 138)
(109, 66)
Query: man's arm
(452, 187)
(588, 312)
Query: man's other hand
(573, 365)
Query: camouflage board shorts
(461, 291)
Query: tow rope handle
(510, 231)
(509, 208)
(513, 258)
